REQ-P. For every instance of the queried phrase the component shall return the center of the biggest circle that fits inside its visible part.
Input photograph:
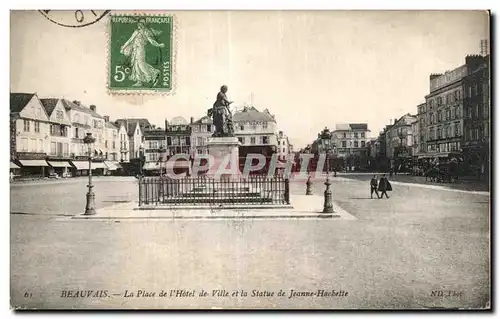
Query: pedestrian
(383, 186)
(373, 187)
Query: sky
(310, 68)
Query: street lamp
(162, 152)
(141, 159)
(90, 206)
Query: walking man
(373, 186)
(383, 186)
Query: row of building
(47, 136)
(453, 122)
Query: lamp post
(141, 159)
(162, 152)
(90, 206)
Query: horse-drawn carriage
(442, 173)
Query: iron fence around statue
(202, 190)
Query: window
(469, 91)
(363, 135)
(355, 143)
(59, 115)
(439, 133)
(241, 140)
(283, 151)
(265, 140)
(76, 132)
(254, 127)
(24, 144)
(40, 145)
(26, 125)
(200, 141)
(252, 140)
(37, 127)
(242, 127)
(355, 135)
(279, 142)
(169, 140)
(345, 135)
(33, 145)
(264, 125)
(187, 139)
(448, 114)
(95, 123)
(344, 143)
(196, 128)
(363, 144)
(486, 130)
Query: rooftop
(19, 100)
(251, 114)
(77, 106)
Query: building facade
(256, 131)
(123, 142)
(201, 130)
(30, 133)
(399, 137)
(350, 139)
(284, 148)
(178, 136)
(135, 128)
(477, 123)
(112, 141)
(444, 123)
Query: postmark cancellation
(141, 54)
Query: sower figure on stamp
(135, 48)
(221, 114)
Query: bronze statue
(221, 115)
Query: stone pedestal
(224, 161)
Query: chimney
(434, 75)
(77, 102)
(484, 47)
(191, 120)
(166, 124)
(106, 118)
(395, 120)
(93, 108)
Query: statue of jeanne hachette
(221, 114)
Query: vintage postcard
(250, 160)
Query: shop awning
(12, 165)
(34, 163)
(59, 164)
(177, 164)
(98, 165)
(110, 165)
(118, 165)
(80, 164)
(151, 166)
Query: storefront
(15, 170)
(61, 168)
(33, 168)
(80, 168)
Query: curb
(309, 216)
(204, 207)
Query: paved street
(394, 255)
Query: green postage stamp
(141, 54)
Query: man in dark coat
(383, 186)
(373, 186)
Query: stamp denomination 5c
(141, 54)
